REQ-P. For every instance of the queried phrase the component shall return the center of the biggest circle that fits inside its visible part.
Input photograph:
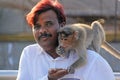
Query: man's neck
(52, 53)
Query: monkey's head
(67, 37)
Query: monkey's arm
(111, 50)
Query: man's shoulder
(33, 48)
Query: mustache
(44, 35)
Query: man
(41, 62)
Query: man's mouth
(44, 36)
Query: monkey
(72, 38)
(80, 37)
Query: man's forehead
(48, 15)
(47, 18)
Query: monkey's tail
(111, 49)
(99, 35)
(102, 21)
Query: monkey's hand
(60, 51)
(71, 70)
(55, 74)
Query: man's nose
(42, 30)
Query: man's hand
(55, 74)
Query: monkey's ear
(76, 35)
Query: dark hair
(45, 5)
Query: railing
(117, 75)
(12, 74)
(8, 74)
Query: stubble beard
(48, 45)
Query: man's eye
(48, 24)
(36, 27)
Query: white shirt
(35, 63)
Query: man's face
(45, 29)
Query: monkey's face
(66, 41)
(66, 38)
